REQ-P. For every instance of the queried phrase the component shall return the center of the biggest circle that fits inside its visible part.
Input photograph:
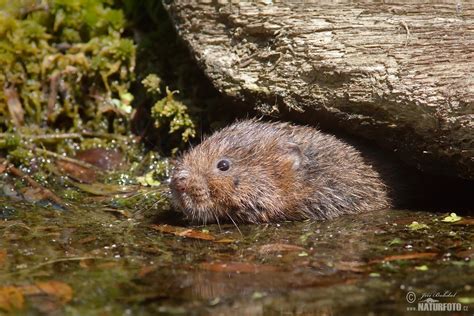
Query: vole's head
(247, 172)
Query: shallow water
(116, 263)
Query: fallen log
(400, 74)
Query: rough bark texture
(401, 74)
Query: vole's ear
(294, 153)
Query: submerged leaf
(451, 218)
(77, 172)
(3, 256)
(279, 248)
(407, 256)
(11, 298)
(183, 232)
(105, 189)
(238, 267)
(105, 159)
(422, 268)
(395, 241)
(416, 226)
(60, 290)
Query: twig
(103, 135)
(47, 193)
(50, 136)
(66, 136)
(68, 159)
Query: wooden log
(399, 73)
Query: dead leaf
(105, 189)
(105, 159)
(15, 108)
(60, 290)
(45, 304)
(239, 267)
(352, 266)
(77, 172)
(225, 241)
(123, 213)
(465, 221)
(146, 270)
(3, 256)
(3, 165)
(11, 298)
(183, 232)
(87, 239)
(84, 264)
(407, 256)
(34, 195)
(47, 194)
(269, 248)
(107, 265)
(469, 253)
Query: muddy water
(116, 262)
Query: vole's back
(340, 178)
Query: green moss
(67, 61)
(66, 67)
(9, 141)
(170, 112)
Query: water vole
(258, 172)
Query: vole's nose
(179, 181)
(179, 184)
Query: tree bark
(401, 74)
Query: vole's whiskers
(217, 220)
(235, 224)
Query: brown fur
(277, 172)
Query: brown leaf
(60, 290)
(107, 265)
(469, 253)
(465, 221)
(87, 239)
(77, 172)
(352, 266)
(105, 189)
(15, 107)
(123, 213)
(3, 256)
(34, 195)
(240, 267)
(407, 256)
(269, 248)
(183, 232)
(44, 192)
(3, 165)
(146, 270)
(225, 241)
(85, 263)
(45, 304)
(11, 298)
(105, 159)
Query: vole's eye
(223, 165)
